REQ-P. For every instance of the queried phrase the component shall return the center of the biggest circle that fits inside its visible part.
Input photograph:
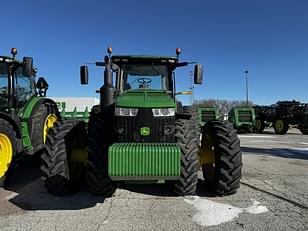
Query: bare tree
(224, 106)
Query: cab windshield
(145, 77)
(3, 80)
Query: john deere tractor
(139, 132)
(207, 114)
(243, 118)
(282, 115)
(25, 114)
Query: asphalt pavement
(273, 196)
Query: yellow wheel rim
(79, 156)
(279, 125)
(207, 152)
(207, 157)
(49, 123)
(6, 153)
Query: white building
(79, 102)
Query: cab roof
(8, 59)
(120, 59)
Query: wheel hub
(49, 123)
(279, 125)
(207, 152)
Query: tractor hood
(145, 98)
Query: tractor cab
(143, 95)
(24, 86)
(24, 117)
(139, 75)
(17, 82)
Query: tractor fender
(14, 121)
(34, 103)
(31, 108)
(28, 122)
(46, 101)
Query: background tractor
(243, 118)
(25, 114)
(207, 114)
(282, 115)
(139, 132)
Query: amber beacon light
(14, 51)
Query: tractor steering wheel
(144, 82)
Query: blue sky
(269, 38)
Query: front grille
(245, 116)
(144, 161)
(128, 127)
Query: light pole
(246, 73)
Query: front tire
(188, 142)
(193, 111)
(101, 136)
(304, 130)
(224, 174)
(63, 161)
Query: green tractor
(281, 116)
(207, 114)
(139, 132)
(25, 114)
(243, 119)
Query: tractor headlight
(122, 111)
(163, 111)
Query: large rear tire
(43, 118)
(304, 130)
(260, 125)
(224, 174)
(193, 111)
(8, 147)
(64, 158)
(187, 140)
(101, 136)
(2, 181)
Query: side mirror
(41, 84)
(198, 74)
(84, 75)
(27, 67)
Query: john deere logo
(144, 131)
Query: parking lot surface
(273, 196)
